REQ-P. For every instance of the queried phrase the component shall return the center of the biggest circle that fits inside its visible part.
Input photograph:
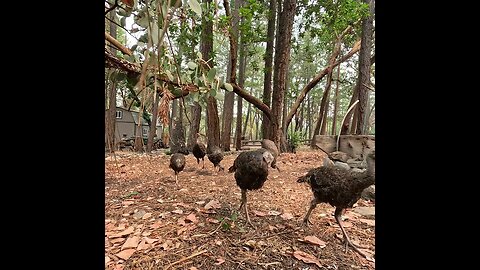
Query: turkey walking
(251, 171)
(215, 155)
(177, 162)
(340, 188)
(270, 146)
(199, 151)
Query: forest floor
(150, 223)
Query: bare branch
(117, 44)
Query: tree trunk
(326, 104)
(153, 123)
(241, 81)
(112, 90)
(335, 106)
(231, 70)
(309, 117)
(346, 124)
(247, 117)
(196, 114)
(206, 48)
(364, 70)
(282, 58)
(267, 82)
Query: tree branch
(317, 79)
(117, 44)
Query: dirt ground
(150, 223)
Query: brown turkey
(340, 188)
(251, 171)
(199, 151)
(177, 162)
(270, 146)
(215, 155)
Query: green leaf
(211, 74)
(228, 87)
(213, 93)
(155, 34)
(122, 21)
(169, 75)
(121, 76)
(195, 6)
(142, 21)
(199, 55)
(192, 65)
(195, 96)
(134, 47)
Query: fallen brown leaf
(177, 211)
(370, 222)
(314, 240)
(191, 218)
(212, 204)
(143, 245)
(125, 254)
(212, 220)
(286, 216)
(259, 213)
(125, 232)
(156, 225)
(132, 242)
(147, 215)
(273, 213)
(306, 258)
(219, 261)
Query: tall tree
(231, 73)
(241, 81)
(206, 48)
(281, 61)
(153, 123)
(335, 104)
(267, 81)
(112, 95)
(364, 69)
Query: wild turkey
(340, 188)
(270, 146)
(177, 162)
(251, 171)
(215, 155)
(199, 151)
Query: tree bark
(335, 106)
(110, 118)
(241, 93)
(231, 74)
(267, 82)
(281, 61)
(364, 69)
(196, 113)
(206, 48)
(153, 123)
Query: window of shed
(119, 114)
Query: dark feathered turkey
(251, 171)
(199, 151)
(215, 155)
(270, 146)
(340, 188)
(177, 163)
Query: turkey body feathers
(199, 151)
(337, 186)
(251, 168)
(177, 162)
(215, 155)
